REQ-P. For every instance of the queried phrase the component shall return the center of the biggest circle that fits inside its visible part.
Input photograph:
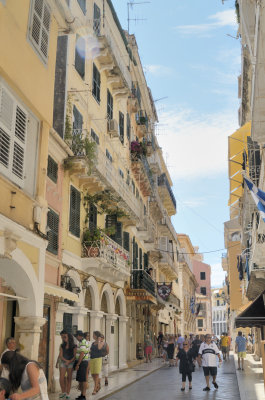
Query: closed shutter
(78, 120)
(96, 83)
(121, 127)
(13, 131)
(126, 241)
(109, 105)
(141, 258)
(96, 20)
(136, 255)
(118, 234)
(53, 234)
(82, 4)
(52, 169)
(135, 264)
(163, 243)
(146, 261)
(128, 130)
(93, 213)
(80, 55)
(74, 223)
(39, 29)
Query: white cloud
(220, 19)
(195, 145)
(217, 275)
(158, 70)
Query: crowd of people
(76, 353)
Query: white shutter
(39, 29)
(6, 123)
(163, 243)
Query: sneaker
(215, 385)
(67, 397)
(182, 389)
(62, 395)
(206, 389)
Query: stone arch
(107, 291)
(25, 285)
(74, 275)
(119, 297)
(92, 289)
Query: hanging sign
(164, 290)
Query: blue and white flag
(258, 196)
(192, 305)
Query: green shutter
(126, 241)
(80, 55)
(128, 131)
(146, 261)
(141, 258)
(121, 126)
(93, 213)
(53, 224)
(74, 223)
(52, 169)
(118, 233)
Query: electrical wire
(201, 252)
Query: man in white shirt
(207, 353)
(11, 345)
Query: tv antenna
(130, 4)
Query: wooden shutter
(146, 261)
(93, 213)
(109, 105)
(118, 233)
(135, 256)
(96, 20)
(52, 169)
(126, 241)
(121, 126)
(53, 224)
(40, 27)
(128, 130)
(96, 83)
(6, 121)
(78, 119)
(74, 223)
(80, 55)
(141, 258)
(163, 243)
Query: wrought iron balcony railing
(140, 279)
(163, 181)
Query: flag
(258, 196)
(192, 305)
(198, 309)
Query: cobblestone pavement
(166, 383)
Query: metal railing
(163, 181)
(140, 279)
(109, 250)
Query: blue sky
(191, 56)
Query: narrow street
(165, 383)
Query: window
(146, 261)
(111, 221)
(39, 27)
(140, 258)
(126, 241)
(203, 291)
(218, 303)
(121, 127)
(128, 130)
(80, 55)
(137, 194)
(96, 83)
(109, 105)
(121, 173)
(74, 223)
(82, 4)
(53, 224)
(200, 323)
(108, 155)
(135, 254)
(96, 20)
(133, 187)
(94, 136)
(93, 214)
(52, 169)
(77, 145)
(202, 276)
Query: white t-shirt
(209, 353)
(180, 342)
(5, 372)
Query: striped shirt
(209, 353)
(83, 347)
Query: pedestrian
(186, 356)
(11, 345)
(250, 343)
(81, 364)
(67, 357)
(159, 344)
(26, 374)
(240, 349)
(180, 341)
(196, 346)
(89, 343)
(171, 350)
(164, 345)
(207, 353)
(148, 348)
(224, 344)
(5, 388)
(105, 361)
(96, 359)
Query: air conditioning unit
(113, 128)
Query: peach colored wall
(51, 274)
(198, 267)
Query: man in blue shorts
(207, 353)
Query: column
(122, 342)
(95, 318)
(110, 338)
(78, 317)
(29, 329)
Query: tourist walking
(186, 356)
(11, 345)
(180, 341)
(96, 359)
(81, 364)
(207, 353)
(89, 343)
(171, 350)
(105, 361)
(5, 388)
(160, 343)
(240, 349)
(224, 345)
(26, 374)
(67, 357)
(148, 348)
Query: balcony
(184, 258)
(146, 230)
(106, 258)
(167, 265)
(166, 194)
(141, 120)
(142, 173)
(142, 288)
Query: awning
(253, 315)
(60, 292)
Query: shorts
(67, 366)
(210, 371)
(81, 372)
(241, 354)
(148, 350)
(224, 349)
